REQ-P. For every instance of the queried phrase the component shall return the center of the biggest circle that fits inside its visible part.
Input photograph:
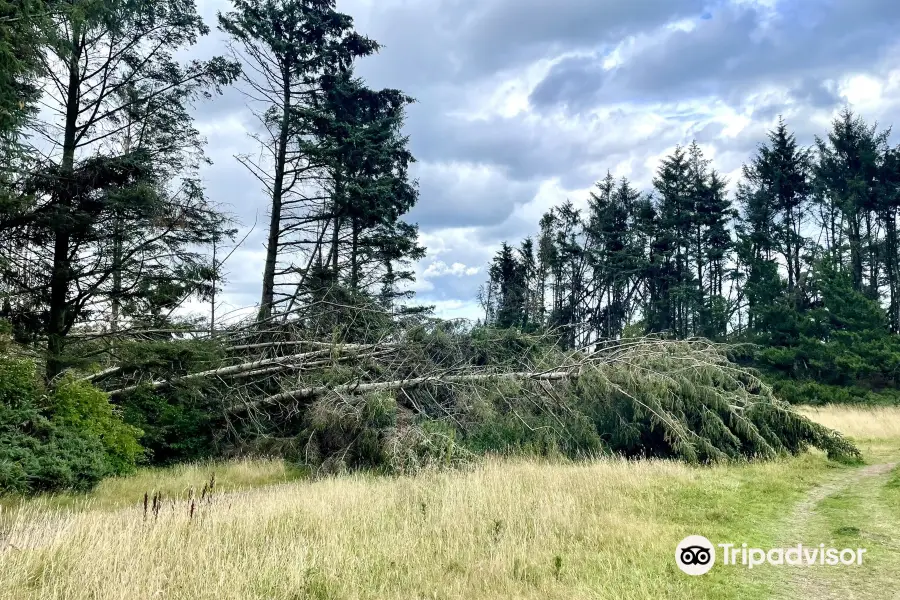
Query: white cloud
(493, 159)
(439, 269)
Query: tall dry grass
(510, 529)
(172, 482)
(858, 422)
(605, 529)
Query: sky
(523, 104)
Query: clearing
(510, 529)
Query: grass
(876, 430)
(863, 516)
(511, 529)
(858, 422)
(172, 482)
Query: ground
(504, 529)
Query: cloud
(739, 47)
(523, 104)
(440, 268)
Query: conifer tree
(847, 177)
(288, 46)
(109, 69)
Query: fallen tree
(400, 396)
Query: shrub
(80, 407)
(67, 440)
(177, 423)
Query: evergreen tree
(21, 30)
(674, 302)
(288, 47)
(682, 262)
(717, 215)
(356, 132)
(617, 257)
(109, 70)
(509, 288)
(847, 177)
(887, 208)
(775, 200)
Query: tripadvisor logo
(696, 555)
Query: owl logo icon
(695, 555)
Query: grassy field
(504, 529)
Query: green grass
(864, 515)
(510, 528)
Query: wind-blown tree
(287, 46)
(109, 74)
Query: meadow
(503, 528)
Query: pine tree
(109, 69)
(357, 135)
(847, 177)
(21, 25)
(508, 280)
(887, 209)
(616, 257)
(716, 213)
(675, 301)
(288, 47)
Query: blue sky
(523, 104)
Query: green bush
(178, 423)
(818, 394)
(80, 407)
(66, 440)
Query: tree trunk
(117, 274)
(335, 234)
(62, 263)
(354, 254)
(890, 263)
(268, 285)
(856, 262)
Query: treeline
(105, 226)
(801, 261)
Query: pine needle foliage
(686, 400)
(646, 397)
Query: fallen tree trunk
(282, 362)
(312, 344)
(311, 393)
(100, 374)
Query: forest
(678, 323)
(798, 269)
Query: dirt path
(807, 582)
